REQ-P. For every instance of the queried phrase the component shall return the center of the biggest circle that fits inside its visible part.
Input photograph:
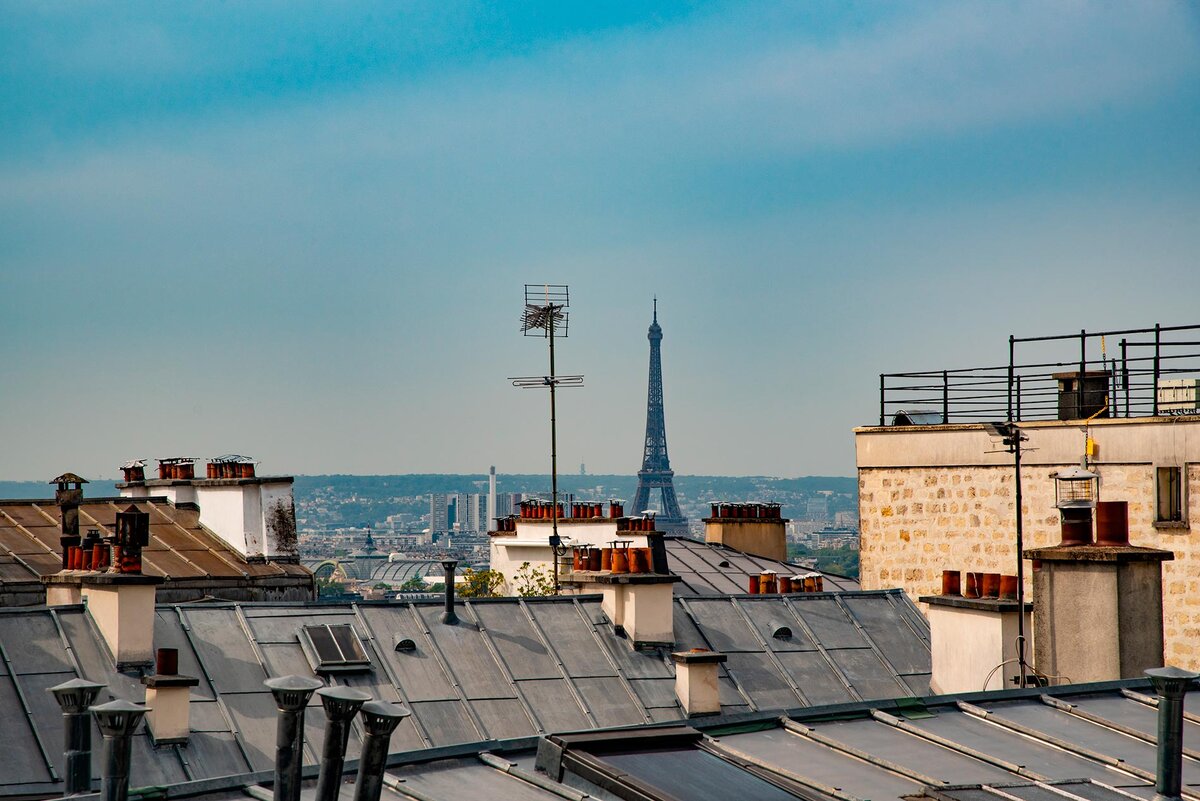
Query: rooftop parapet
(1139, 372)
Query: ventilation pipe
(341, 705)
(291, 696)
(1170, 683)
(74, 697)
(379, 719)
(117, 721)
(449, 617)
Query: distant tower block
(656, 472)
(491, 499)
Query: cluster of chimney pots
(120, 553)
(746, 511)
(1112, 531)
(618, 557)
(769, 583)
(185, 469)
(545, 510)
(979, 585)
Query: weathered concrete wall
(930, 498)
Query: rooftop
(194, 560)
(710, 569)
(1069, 743)
(513, 668)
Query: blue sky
(300, 231)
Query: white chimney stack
(696, 684)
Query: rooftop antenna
(546, 315)
(1011, 436)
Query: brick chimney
(753, 528)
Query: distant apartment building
(440, 518)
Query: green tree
(414, 584)
(480, 583)
(533, 581)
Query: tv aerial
(545, 315)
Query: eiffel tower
(656, 472)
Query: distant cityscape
(419, 516)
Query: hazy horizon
(300, 232)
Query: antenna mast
(545, 315)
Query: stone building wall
(919, 519)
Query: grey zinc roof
(710, 569)
(1071, 743)
(513, 668)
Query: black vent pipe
(379, 719)
(449, 617)
(74, 697)
(117, 721)
(1170, 683)
(341, 705)
(291, 696)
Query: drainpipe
(291, 696)
(1170, 683)
(379, 719)
(117, 721)
(341, 705)
(449, 617)
(74, 697)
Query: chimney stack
(449, 617)
(69, 496)
(379, 720)
(341, 705)
(74, 697)
(169, 697)
(117, 721)
(757, 529)
(1099, 607)
(291, 697)
(1170, 683)
(696, 684)
(121, 600)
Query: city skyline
(303, 237)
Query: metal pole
(1170, 683)
(1011, 371)
(341, 705)
(882, 400)
(117, 721)
(291, 695)
(1016, 437)
(1079, 410)
(449, 616)
(553, 458)
(1125, 372)
(945, 397)
(379, 720)
(1157, 344)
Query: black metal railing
(1088, 379)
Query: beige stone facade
(932, 498)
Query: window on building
(334, 648)
(1170, 495)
